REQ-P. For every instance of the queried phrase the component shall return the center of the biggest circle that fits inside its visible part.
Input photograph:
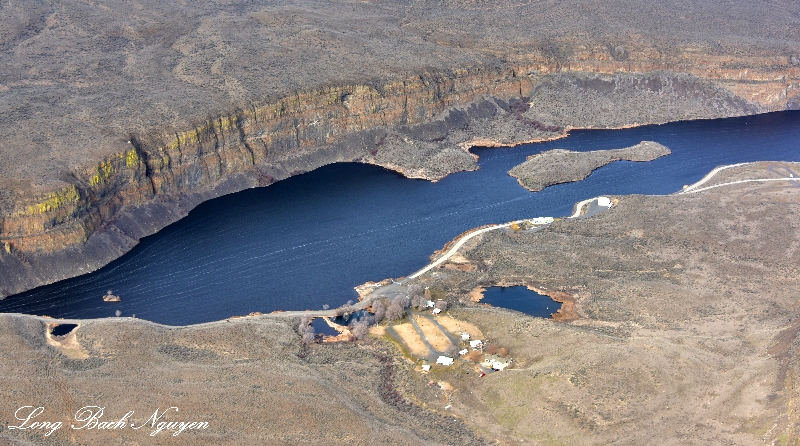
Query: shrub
(346, 309)
(474, 356)
(402, 301)
(360, 329)
(304, 321)
(379, 311)
(414, 290)
(451, 351)
(309, 335)
(441, 304)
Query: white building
(604, 201)
(475, 344)
(465, 337)
(445, 360)
(542, 220)
(495, 362)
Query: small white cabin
(542, 220)
(445, 360)
(604, 201)
(495, 362)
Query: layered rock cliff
(419, 126)
(166, 108)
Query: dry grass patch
(435, 336)
(456, 327)
(409, 336)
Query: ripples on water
(308, 240)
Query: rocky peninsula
(683, 327)
(120, 119)
(564, 166)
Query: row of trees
(358, 328)
(396, 310)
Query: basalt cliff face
(104, 185)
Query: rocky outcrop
(419, 126)
(563, 166)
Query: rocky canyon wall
(418, 125)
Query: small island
(564, 166)
(111, 297)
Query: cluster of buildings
(492, 362)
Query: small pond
(520, 298)
(322, 327)
(63, 329)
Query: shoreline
(132, 222)
(633, 324)
(437, 257)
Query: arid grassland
(684, 331)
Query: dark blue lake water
(520, 298)
(308, 240)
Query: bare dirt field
(457, 326)
(432, 333)
(410, 339)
